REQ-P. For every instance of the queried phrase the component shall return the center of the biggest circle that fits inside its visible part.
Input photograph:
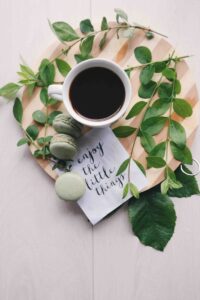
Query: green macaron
(63, 146)
(64, 123)
(70, 186)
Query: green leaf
(155, 162)
(120, 14)
(47, 72)
(170, 182)
(52, 101)
(148, 90)
(152, 218)
(146, 74)
(177, 134)
(79, 57)
(128, 72)
(140, 166)
(169, 73)
(39, 117)
(86, 26)
(177, 87)
(149, 35)
(160, 66)
(190, 185)
(32, 131)
(164, 186)
(63, 66)
(27, 70)
(184, 155)
(18, 110)
(153, 125)
(123, 131)
(9, 90)
(31, 88)
(64, 31)
(104, 24)
(125, 190)
(52, 115)
(158, 108)
(134, 190)
(103, 41)
(147, 141)
(44, 96)
(182, 108)
(42, 140)
(136, 109)
(86, 45)
(143, 54)
(22, 141)
(158, 150)
(123, 166)
(39, 153)
(165, 90)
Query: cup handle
(55, 91)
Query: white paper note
(99, 157)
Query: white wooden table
(47, 248)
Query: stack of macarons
(63, 144)
(69, 186)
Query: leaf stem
(169, 60)
(169, 118)
(29, 137)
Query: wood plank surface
(47, 248)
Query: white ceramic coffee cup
(61, 91)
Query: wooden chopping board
(121, 51)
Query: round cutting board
(121, 51)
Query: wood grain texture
(47, 248)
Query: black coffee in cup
(97, 93)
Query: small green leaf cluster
(41, 118)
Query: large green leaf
(153, 218)
(146, 91)
(143, 54)
(153, 125)
(47, 72)
(18, 110)
(159, 150)
(104, 24)
(146, 74)
(177, 134)
(123, 131)
(64, 31)
(184, 155)
(86, 26)
(147, 141)
(190, 185)
(9, 90)
(63, 66)
(155, 162)
(86, 45)
(32, 131)
(158, 108)
(123, 166)
(136, 109)
(165, 90)
(182, 108)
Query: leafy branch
(153, 120)
(70, 38)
